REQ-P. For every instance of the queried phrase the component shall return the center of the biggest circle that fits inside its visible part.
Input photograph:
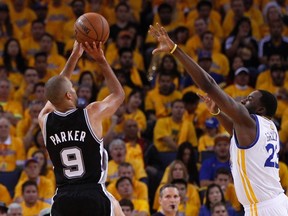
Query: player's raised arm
(234, 110)
(72, 60)
(67, 71)
(110, 104)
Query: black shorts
(81, 200)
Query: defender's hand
(160, 34)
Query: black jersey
(76, 152)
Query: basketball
(91, 27)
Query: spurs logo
(84, 28)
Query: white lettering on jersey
(65, 136)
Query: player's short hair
(56, 88)
(269, 101)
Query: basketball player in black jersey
(73, 138)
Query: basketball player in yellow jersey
(255, 142)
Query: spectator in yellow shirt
(15, 209)
(39, 145)
(46, 171)
(5, 195)
(135, 144)
(55, 61)
(113, 127)
(124, 39)
(27, 126)
(241, 40)
(271, 12)
(237, 12)
(158, 100)
(21, 15)
(78, 8)
(24, 93)
(220, 63)
(206, 141)
(8, 30)
(45, 187)
(273, 58)
(194, 44)
(140, 190)
(13, 109)
(240, 89)
(170, 132)
(133, 110)
(12, 153)
(41, 64)
(88, 78)
(195, 111)
(133, 75)
(278, 87)
(31, 44)
(125, 189)
(13, 60)
(206, 62)
(212, 18)
(117, 151)
(58, 14)
(123, 18)
(167, 64)
(186, 207)
(31, 205)
(127, 207)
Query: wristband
(174, 48)
(217, 113)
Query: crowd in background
(162, 133)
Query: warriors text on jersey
(255, 169)
(68, 137)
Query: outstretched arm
(67, 71)
(228, 105)
(110, 104)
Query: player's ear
(261, 110)
(68, 95)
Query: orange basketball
(91, 27)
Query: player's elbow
(121, 95)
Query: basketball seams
(92, 27)
(96, 39)
(83, 34)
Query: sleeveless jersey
(76, 152)
(255, 168)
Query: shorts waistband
(270, 202)
(75, 187)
